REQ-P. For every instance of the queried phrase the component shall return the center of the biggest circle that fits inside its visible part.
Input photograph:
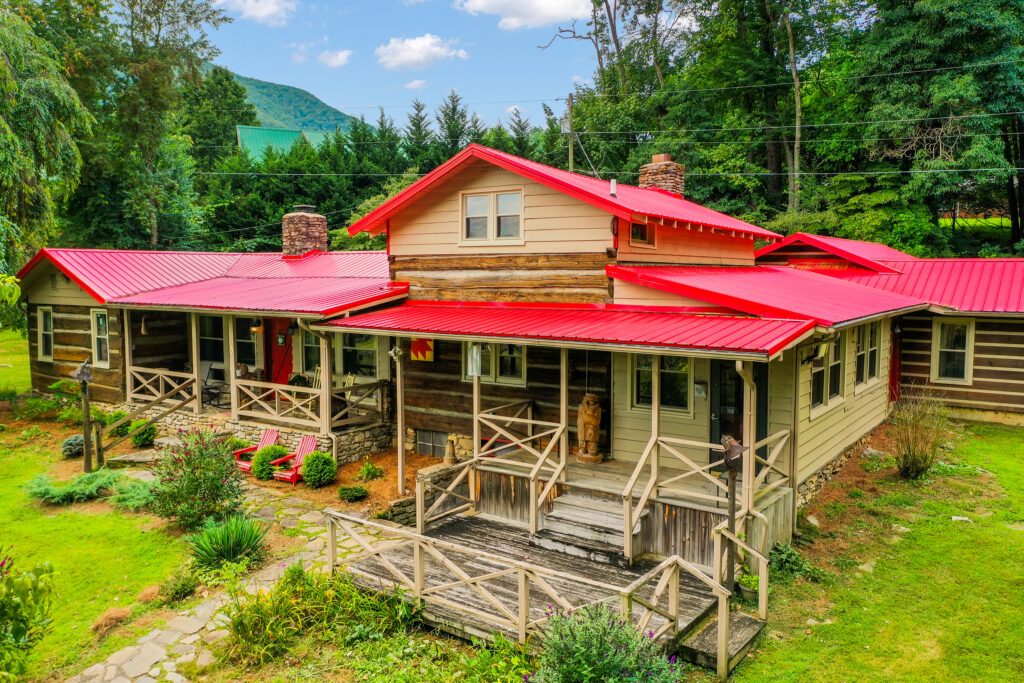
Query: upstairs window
(492, 217)
(100, 338)
(952, 351)
(45, 340)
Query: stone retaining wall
(403, 510)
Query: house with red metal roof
(606, 370)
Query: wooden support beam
(749, 431)
(193, 321)
(476, 438)
(563, 398)
(400, 419)
(326, 389)
(655, 418)
(229, 371)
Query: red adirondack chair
(267, 438)
(307, 445)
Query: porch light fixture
(257, 328)
(475, 362)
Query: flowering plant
(197, 480)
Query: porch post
(128, 356)
(326, 386)
(749, 431)
(193, 321)
(229, 372)
(563, 397)
(476, 440)
(400, 416)
(655, 416)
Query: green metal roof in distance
(256, 140)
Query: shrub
(918, 425)
(73, 447)
(80, 489)
(134, 496)
(236, 444)
(24, 613)
(237, 538)
(265, 625)
(788, 563)
(145, 437)
(369, 471)
(33, 407)
(197, 480)
(181, 585)
(751, 581)
(124, 427)
(318, 470)
(353, 494)
(594, 643)
(261, 467)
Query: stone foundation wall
(403, 510)
(814, 483)
(463, 444)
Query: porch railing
(278, 402)
(520, 606)
(360, 404)
(446, 497)
(147, 384)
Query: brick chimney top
(663, 173)
(303, 231)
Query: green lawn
(944, 602)
(14, 353)
(102, 558)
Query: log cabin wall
(998, 365)
(72, 344)
(166, 342)
(438, 399)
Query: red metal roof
(581, 323)
(317, 282)
(628, 200)
(866, 254)
(770, 291)
(977, 285)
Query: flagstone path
(188, 636)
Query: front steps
(701, 647)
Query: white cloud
(269, 12)
(334, 58)
(418, 84)
(516, 107)
(527, 13)
(299, 51)
(417, 53)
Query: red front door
(278, 351)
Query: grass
(102, 558)
(14, 347)
(943, 601)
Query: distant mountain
(284, 106)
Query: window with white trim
(952, 351)
(499, 363)
(100, 337)
(494, 217)
(310, 353)
(827, 373)
(211, 345)
(674, 373)
(359, 355)
(44, 320)
(246, 341)
(867, 339)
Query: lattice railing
(147, 384)
(278, 402)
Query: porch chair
(307, 445)
(267, 438)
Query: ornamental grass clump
(318, 470)
(197, 480)
(594, 643)
(236, 539)
(918, 425)
(80, 489)
(261, 462)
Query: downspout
(320, 335)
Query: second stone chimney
(303, 231)
(663, 173)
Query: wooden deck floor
(489, 535)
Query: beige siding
(631, 427)
(689, 245)
(638, 295)
(553, 222)
(46, 286)
(781, 378)
(830, 432)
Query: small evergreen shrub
(318, 470)
(197, 480)
(261, 467)
(134, 496)
(237, 538)
(122, 428)
(594, 643)
(73, 447)
(181, 585)
(369, 471)
(80, 489)
(144, 438)
(353, 494)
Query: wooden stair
(701, 648)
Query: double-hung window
(245, 341)
(359, 355)
(211, 345)
(45, 333)
(310, 353)
(492, 217)
(827, 374)
(952, 351)
(674, 373)
(499, 363)
(100, 337)
(867, 340)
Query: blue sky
(357, 55)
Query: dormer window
(641, 234)
(492, 217)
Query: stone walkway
(188, 636)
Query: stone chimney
(302, 231)
(663, 173)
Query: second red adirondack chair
(267, 438)
(307, 445)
